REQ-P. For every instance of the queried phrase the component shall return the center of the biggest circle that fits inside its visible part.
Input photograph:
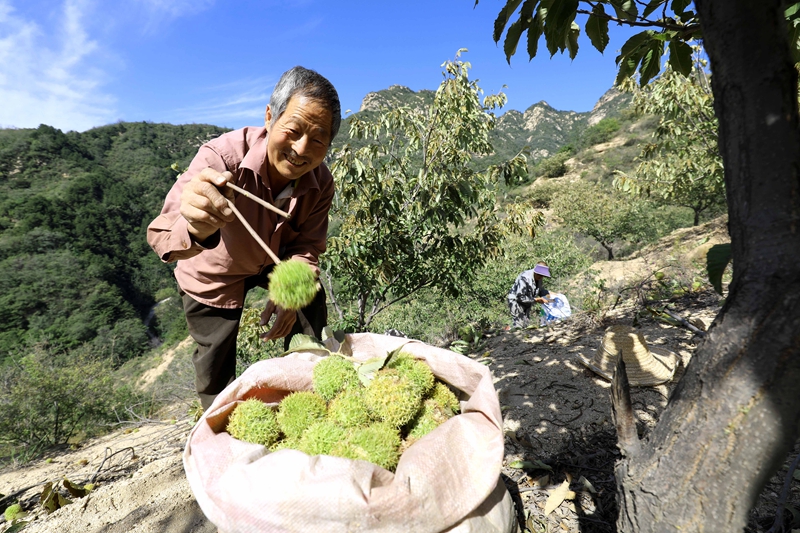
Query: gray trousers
(520, 312)
(215, 329)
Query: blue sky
(77, 64)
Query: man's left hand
(284, 321)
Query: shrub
(49, 398)
(601, 132)
(553, 167)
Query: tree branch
(683, 30)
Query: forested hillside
(73, 208)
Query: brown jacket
(214, 274)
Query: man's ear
(267, 117)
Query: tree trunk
(735, 415)
(608, 249)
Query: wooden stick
(275, 259)
(259, 200)
(247, 226)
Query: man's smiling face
(298, 140)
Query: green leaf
(626, 9)
(634, 44)
(680, 57)
(368, 369)
(626, 69)
(306, 343)
(792, 11)
(717, 260)
(503, 18)
(651, 62)
(558, 23)
(597, 28)
(652, 6)
(76, 491)
(512, 38)
(535, 30)
(572, 40)
(51, 500)
(679, 6)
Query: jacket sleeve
(168, 235)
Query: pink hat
(543, 270)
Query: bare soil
(557, 421)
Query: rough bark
(735, 415)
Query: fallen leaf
(556, 497)
(542, 482)
(530, 465)
(75, 490)
(51, 499)
(587, 486)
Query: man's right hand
(204, 204)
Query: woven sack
(447, 481)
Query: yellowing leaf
(556, 498)
(587, 486)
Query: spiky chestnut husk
(299, 410)
(292, 284)
(254, 421)
(416, 370)
(392, 398)
(285, 443)
(320, 437)
(428, 418)
(349, 410)
(442, 395)
(12, 512)
(378, 443)
(332, 375)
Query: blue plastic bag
(557, 309)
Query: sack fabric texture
(447, 481)
(557, 309)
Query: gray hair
(304, 82)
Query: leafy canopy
(682, 165)
(668, 26)
(607, 218)
(414, 213)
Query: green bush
(601, 132)
(169, 322)
(552, 167)
(435, 318)
(49, 398)
(543, 192)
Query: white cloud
(238, 103)
(162, 12)
(48, 74)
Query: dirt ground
(557, 421)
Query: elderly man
(218, 260)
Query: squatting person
(527, 290)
